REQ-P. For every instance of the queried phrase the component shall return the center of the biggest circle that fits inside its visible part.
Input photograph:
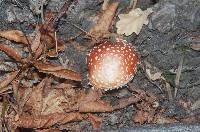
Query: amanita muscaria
(112, 65)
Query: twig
(81, 29)
(55, 36)
(42, 13)
(178, 75)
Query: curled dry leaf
(133, 21)
(9, 78)
(104, 21)
(11, 52)
(44, 121)
(195, 47)
(15, 35)
(95, 121)
(58, 71)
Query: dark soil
(173, 27)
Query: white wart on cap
(112, 65)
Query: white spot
(99, 50)
(127, 69)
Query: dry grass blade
(169, 91)
(11, 52)
(9, 78)
(14, 35)
(58, 71)
(178, 75)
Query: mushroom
(112, 65)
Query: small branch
(178, 75)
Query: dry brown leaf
(58, 71)
(47, 36)
(95, 121)
(92, 95)
(49, 15)
(36, 45)
(36, 98)
(195, 47)
(124, 102)
(95, 106)
(140, 117)
(44, 121)
(160, 119)
(52, 102)
(14, 35)
(104, 22)
(9, 78)
(133, 21)
(11, 52)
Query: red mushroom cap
(112, 65)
